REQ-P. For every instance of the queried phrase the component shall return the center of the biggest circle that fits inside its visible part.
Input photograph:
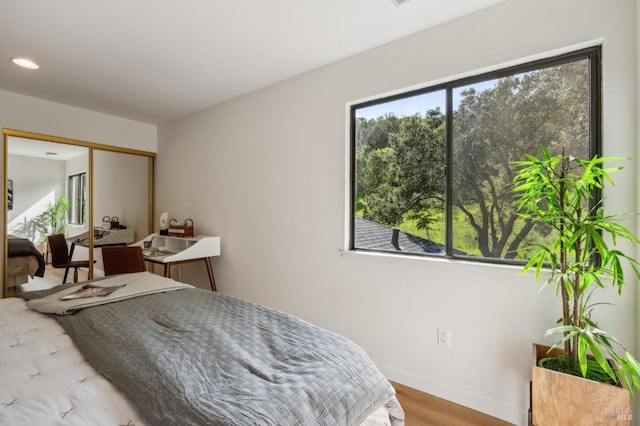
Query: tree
(398, 192)
(400, 161)
(498, 126)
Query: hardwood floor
(423, 409)
(52, 277)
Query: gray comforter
(195, 357)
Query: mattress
(23, 261)
(20, 268)
(45, 379)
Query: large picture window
(431, 169)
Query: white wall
(35, 115)
(36, 183)
(121, 189)
(267, 173)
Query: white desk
(102, 237)
(167, 251)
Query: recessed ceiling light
(25, 63)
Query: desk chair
(122, 260)
(60, 257)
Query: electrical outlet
(444, 337)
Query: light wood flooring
(52, 277)
(423, 409)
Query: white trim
(476, 402)
(347, 180)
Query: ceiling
(157, 60)
(43, 149)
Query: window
(77, 194)
(431, 169)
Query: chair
(123, 260)
(60, 257)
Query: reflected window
(77, 194)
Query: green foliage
(400, 173)
(594, 372)
(52, 221)
(56, 214)
(559, 192)
(387, 180)
(496, 126)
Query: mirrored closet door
(92, 194)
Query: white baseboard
(441, 390)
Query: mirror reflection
(51, 194)
(120, 208)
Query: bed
(160, 352)
(23, 261)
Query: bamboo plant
(52, 220)
(560, 192)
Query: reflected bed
(23, 261)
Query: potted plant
(56, 216)
(53, 220)
(560, 192)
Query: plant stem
(577, 292)
(566, 315)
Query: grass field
(464, 235)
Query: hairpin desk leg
(212, 281)
(207, 262)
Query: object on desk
(115, 222)
(164, 220)
(184, 230)
(158, 252)
(147, 243)
(106, 222)
(110, 222)
(164, 223)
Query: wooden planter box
(563, 399)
